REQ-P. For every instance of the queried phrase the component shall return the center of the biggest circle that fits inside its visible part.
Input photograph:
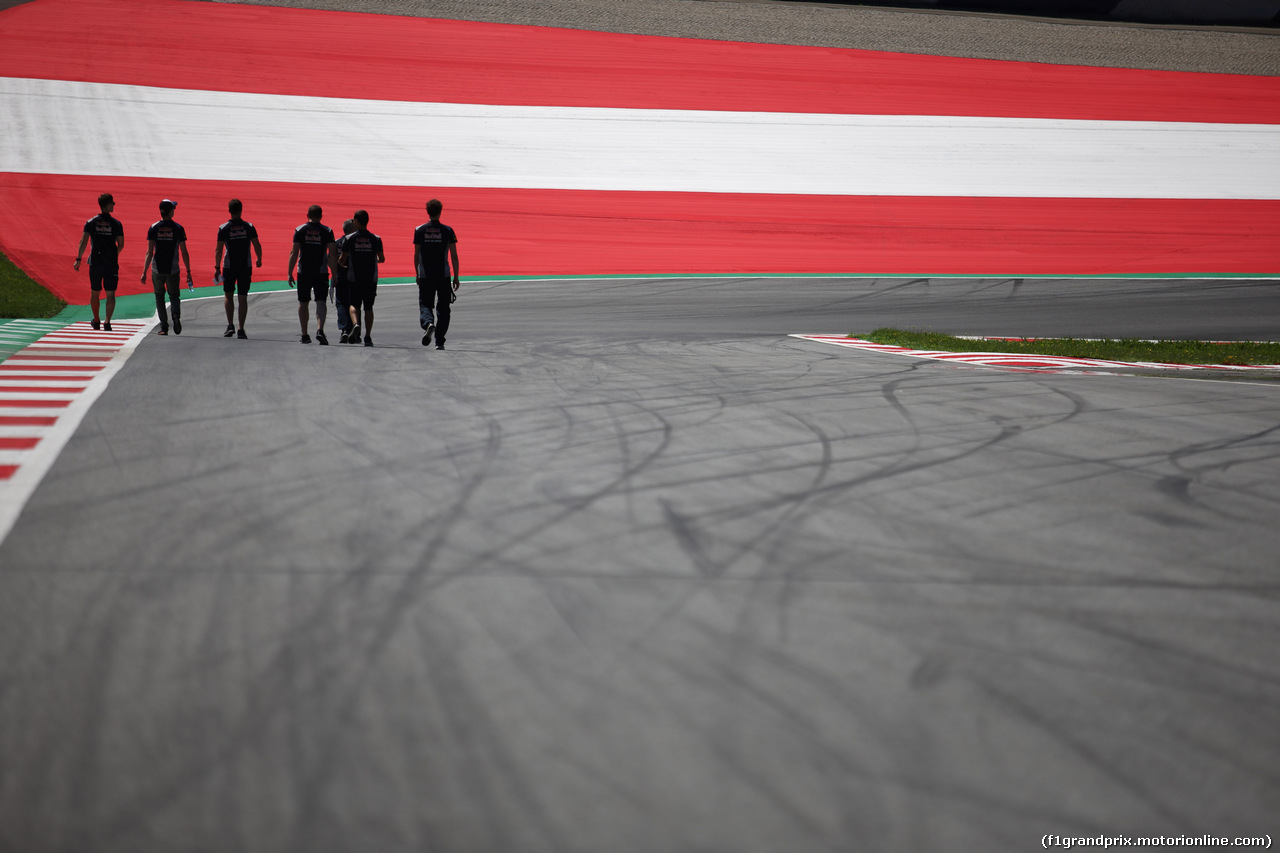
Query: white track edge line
(15, 492)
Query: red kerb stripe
(27, 356)
(28, 368)
(41, 389)
(34, 404)
(26, 421)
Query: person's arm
(257, 247)
(293, 260)
(333, 271)
(453, 257)
(417, 259)
(84, 240)
(120, 242)
(186, 258)
(151, 251)
(217, 258)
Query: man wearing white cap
(166, 241)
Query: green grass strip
(20, 296)
(1128, 349)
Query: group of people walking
(320, 263)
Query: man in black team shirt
(435, 253)
(361, 254)
(166, 240)
(107, 234)
(313, 254)
(342, 287)
(235, 236)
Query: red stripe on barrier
(7, 471)
(18, 443)
(307, 52)
(531, 232)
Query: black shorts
(317, 283)
(236, 281)
(362, 294)
(104, 278)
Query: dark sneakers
(177, 326)
(321, 339)
(429, 331)
(306, 339)
(106, 327)
(439, 346)
(344, 338)
(230, 332)
(368, 340)
(241, 335)
(95, 324)
(354, 337)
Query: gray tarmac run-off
(628, 569)
(1023, 39)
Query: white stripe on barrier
(61, 127)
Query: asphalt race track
(627, 568)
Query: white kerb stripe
(58, 127)
(35, 463)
